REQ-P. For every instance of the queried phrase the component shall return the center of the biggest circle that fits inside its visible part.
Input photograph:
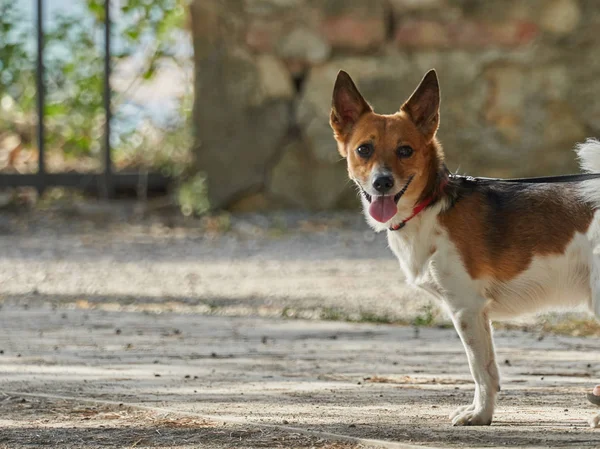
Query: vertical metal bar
(108, 187)
(40, 94)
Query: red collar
(419, 207)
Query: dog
(485, 248)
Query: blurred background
(203, 249)
(517, 78)
(229, 99)
(151, 81)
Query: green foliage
(192, 196)
(370, 317)
(74, 74)
(73, 110)
(17, 82)
(167, 148)
(426, 318)
(333, 314)
(156, 20)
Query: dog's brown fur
(354, 123)
(498, 231)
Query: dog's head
(394, 159)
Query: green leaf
(54, 109)
(149, 73)
(133, 33)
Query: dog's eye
(364, 151)
(404, 151)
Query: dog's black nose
(383, 183)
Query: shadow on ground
(273, 380)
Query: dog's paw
(595, 422)
(471, 416)
(462, 409)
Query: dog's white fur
(550, 282)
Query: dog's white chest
(413, 254)
(407, 255)
(417, 265)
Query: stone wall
(520, 84)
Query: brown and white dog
(486, 249)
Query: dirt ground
(117, 332)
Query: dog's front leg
(473, 326)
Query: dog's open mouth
(383, 208)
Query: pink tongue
(383, 208)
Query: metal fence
(105, 184)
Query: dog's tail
(589, 160)
(589, 155)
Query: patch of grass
(572, 326)
(192, 196)
(278, 227)
(212, 307)
(426, 318)
(287, 313)
(332, 314)
(370, 317)
(275, 233)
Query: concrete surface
(292, 265)
(90, 378)
(121, 334)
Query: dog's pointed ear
(423, 106)
(347, 106)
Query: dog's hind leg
(594, 304)
(473, 327)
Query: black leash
(537, 180)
